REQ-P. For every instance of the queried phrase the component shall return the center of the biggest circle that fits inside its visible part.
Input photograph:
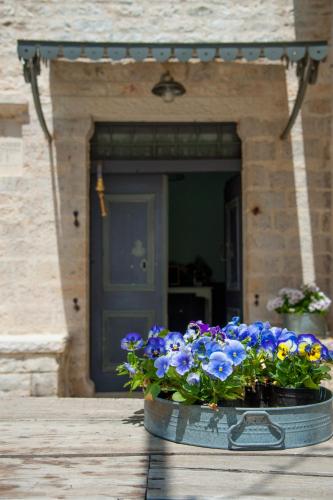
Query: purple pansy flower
(217, 333)
(174, 341)
(182, 361)
(235, 352)
(155, 347)
(219, 366)
(131, 342)
(162, 364)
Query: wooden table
(98, 448)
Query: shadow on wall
(69, 170)
(314, 22)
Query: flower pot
(282, 396)
(240, 428)
(314, 323)
(259, 396)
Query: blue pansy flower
(193, 378)
(174, 341)
(249, 335)
(268, 343)
(155, 347)
(162, 364)
(276, 331)
(212, 346)
(131, 342)
(235, 320)
(288, 335)
(219, 366)
(155, 331)
(130, 368)
(199, 347)
(235, 351)
(191, 334)
(259, 324)
(231, 331)
(182, 361)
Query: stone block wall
(44, 258)
(33, 365)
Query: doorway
(169, 250)
(202, 248)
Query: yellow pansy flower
(285, 348)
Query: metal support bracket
(307, 72)
(31, 69)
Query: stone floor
(98, 448)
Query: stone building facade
(44, 342)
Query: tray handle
(256, 418)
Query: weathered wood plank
(94, 448)
(287, 464)
(31, 477)
(99, 436)
(168, 483)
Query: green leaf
(176, 396)
(153, 390)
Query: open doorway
(204, 248)
(188, 174)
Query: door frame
(160, 167)
(167, 166)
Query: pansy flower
(199, 347)
(174, 341)
(162, 364)
(217, 333)
(130, 368)
(182, 361)
(310, 347)
(288, 335)
(131, 342)
(191, 334)
(231, 331)
(235, 351)
(285, 348)
(155, 331)
(219, 366)
(204, 327)
(193, 378)
(155, 347)
(268, 341)
(212, 346)
(250, 335)
(276, 331)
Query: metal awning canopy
(307, 55)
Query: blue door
(128, 268)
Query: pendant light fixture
(168, 88)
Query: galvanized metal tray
(240, 428)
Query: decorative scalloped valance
(307, 55)
(183, 52)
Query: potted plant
(216, 366)
(201, 366)
(200, 387)
(303, 310)
(291, 367)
